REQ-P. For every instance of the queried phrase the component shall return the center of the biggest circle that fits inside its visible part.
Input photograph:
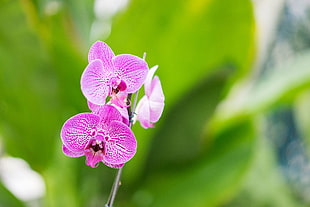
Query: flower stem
(116, 184)
(117, 181)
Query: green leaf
(209, 181)
(187, 39)
(7, 199)
(39, 82)
(179, 140)
(273, 89)
(302, 111)
(24, 77)
(265, 184)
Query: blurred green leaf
(39, 83)
(279, 85)
(179, 140)
(82, 15)
(264, 185)
(28, 90)
(187, 39)
(7, 199)
(209, 181)
(302, 111)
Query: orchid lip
(117, 86)
(94, 152)
(96, 146)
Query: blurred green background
(235, 129)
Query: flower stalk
(116, 185)
(117, 180)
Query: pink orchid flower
(100, 137)
(108, 75)
(151, 105)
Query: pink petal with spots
(100, 50)
(69, 153)
(93, 107)
(93, 158)
(131, 69)
(124, 113)
(121, 145)
(108, 113)
(120, 100)
(78, 130)
(114, 165)
(95, 83)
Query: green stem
(116, 184)
(117, 181)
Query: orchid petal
(143, 113)
(156, 100)
(148, 80)
(93, 107)
(107, 114)
(156, 110)
(157, 93)
(114, 165)
(124, 113)
(120, 100)
(122, 110)
(100, 50)
(69, 153)
(121, 144)
(78, 130)
(151, 106)
(131, 69)
(95, 82)
(93, 158)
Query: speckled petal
(120, 100)
(92, 158)
(93, 107)
(108, 113)
(114, 165)
(69, 153)
(121, 144)
(95, 82)
(124, 113)
(100, 50)
(78, 130)
(131, 69)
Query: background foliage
(225, 135)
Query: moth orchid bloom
(151, 105)
(108, 75)
(101, 137)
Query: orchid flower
(151, 105)
(100, 136)
(105, 134)
(110, 75)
